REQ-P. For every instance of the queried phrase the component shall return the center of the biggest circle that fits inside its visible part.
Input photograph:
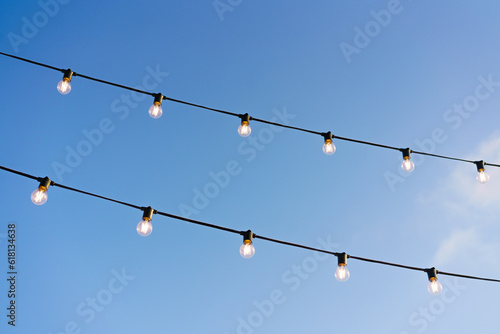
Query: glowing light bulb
(482, 177)
(434, 287)
(244, 129)
(39, 196)
(155, 110)
(64, 86)
(342, 274)
(328, 147)
(144, 228)
(247, 250)
(408, 165)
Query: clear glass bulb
(144, 228)
(64, 86)
(247, 250)
(342, 274)
(39, 196)
(408, 165)
(329, 148)
(244, 129)
(434, 287)
(155, 111)
(482, 177)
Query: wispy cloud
(471, 211)
(467, 246)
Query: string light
(328, 147)
(248, 236)
(482, 177)
(64, 86)
(342, 274)
(407, 165)
(244, 129)
(144, 228)
(247, 249)
(155, 110)
(39, 195)
(434, 287)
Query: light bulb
(244, 129)
(482, 177)
(64, 86)
(342, 273)
(144, 228)
(434, 287)
(39, 196)
(247, 250)
(155, 110)
(328, 147)
(407, 165)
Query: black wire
(295, 245)
(198, 222)
(95, 195)
(112, 84)
(385, 263)
(442, 156)
(467, 276)
(236, 114)
(32, 62)
(19, 173)
(218, 227)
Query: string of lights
(247, 249)
(329, 148)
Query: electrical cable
(239, 115)
(218, 227)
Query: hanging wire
(227, 229)
(239, 115)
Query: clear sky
(416, 74)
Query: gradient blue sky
(266, 59)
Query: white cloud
(467, 212)
(467, 246)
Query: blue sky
(82, 267)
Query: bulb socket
(479, 165)
(432, 274)
(148, 213)
(68, 74)
(245, 119)
(158, 99)
(44, 183)
(247, 237)
(342, 259)
(406, 153)
(328, 137)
